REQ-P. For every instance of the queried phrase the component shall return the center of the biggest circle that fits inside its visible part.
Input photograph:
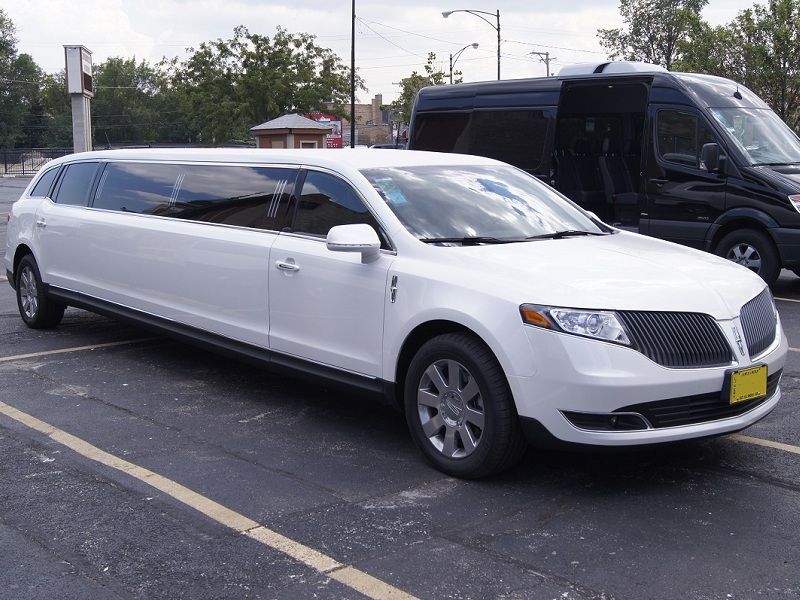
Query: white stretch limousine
(492, 308)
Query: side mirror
(355, 238)
(712, 159)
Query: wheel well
(418, 336)
(733, 226)
(22, 251)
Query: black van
(693, 159)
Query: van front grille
(759, 322)
(677, 339)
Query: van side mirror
(712, 159)
(358, 237)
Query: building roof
(292, 121)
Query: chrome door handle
(41, 223)
(286, 266)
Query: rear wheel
(36, 308)
(459, 408)
(752, 249)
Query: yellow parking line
(786, 299)
(350, 576)
(74, 349)
(794, 349)
(3, 278)
(746, 439)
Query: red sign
(334, 138)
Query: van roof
(334, 158)
(707, 90)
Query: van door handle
(41, 223)
(659, 182)
(286, 266)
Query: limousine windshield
(487, 204)
(760, 134)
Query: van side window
(681, 136)
(326, 201)
(255, 197)
(442, 132)
(144, 188)
(74, 187)
(42, 187)
(517, 137)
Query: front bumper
(578, 375)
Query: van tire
(752, 249)
(480, 407)
(36, 308)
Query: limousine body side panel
(202, 275)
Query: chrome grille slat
(680, 340)
(759, 322)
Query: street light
(479, 13)
(454, 58)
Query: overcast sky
(392, 38)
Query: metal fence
(27, 161)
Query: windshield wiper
(469, 240)
(557, 235)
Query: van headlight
(597, 324)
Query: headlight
(795, 200)
(597, 324)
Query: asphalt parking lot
(132, 466)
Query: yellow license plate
(748, 384)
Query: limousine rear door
(327, 307)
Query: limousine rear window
(42, 187)
(75, 183)
(256, 197)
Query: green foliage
(215, 96)
(232, 85)
(410, 85)
(652, 30)
(760, 49)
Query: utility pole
(353, 79)
(545, 58)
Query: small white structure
(80, 88)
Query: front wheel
(36, 308)
(752, 249)
(459, 408)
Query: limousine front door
(324, 306)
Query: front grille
(759, 322)
(674, 339)
(697, 409)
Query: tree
(760, 48)
(409, 86)
(652, 30)
(232, 85)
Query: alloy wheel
(28, 292)
(745, 255)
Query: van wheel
(459, 408)
(752, 249)
(36, 308)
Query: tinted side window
(137, 187)
(514, 136)
(244, 196)
(42, 187)
(326, 201)
(442, 132)
(681, 136)
(75, 184)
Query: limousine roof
(332, 158)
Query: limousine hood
(623, 271)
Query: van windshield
(760, 134)
(478, 204)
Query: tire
(459, 408)
(36, 308)
(752, 249)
